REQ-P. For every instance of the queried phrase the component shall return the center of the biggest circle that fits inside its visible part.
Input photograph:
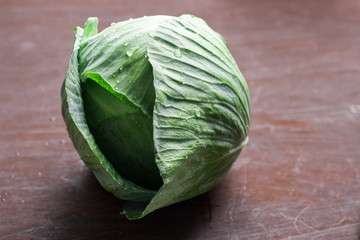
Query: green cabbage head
(156, 107)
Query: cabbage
(156, 107)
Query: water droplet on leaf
(131, 51)
(178, 53)
(197, 112)
(182, 78)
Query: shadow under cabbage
(92, 213)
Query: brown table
(299, 177)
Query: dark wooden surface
(299, 177)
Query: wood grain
(299, 177)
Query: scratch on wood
(245, 178)
(296, 219)
(320, 233)
(298, 163)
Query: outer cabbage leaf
(84, 142)
(118, 94)
(201, 113)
